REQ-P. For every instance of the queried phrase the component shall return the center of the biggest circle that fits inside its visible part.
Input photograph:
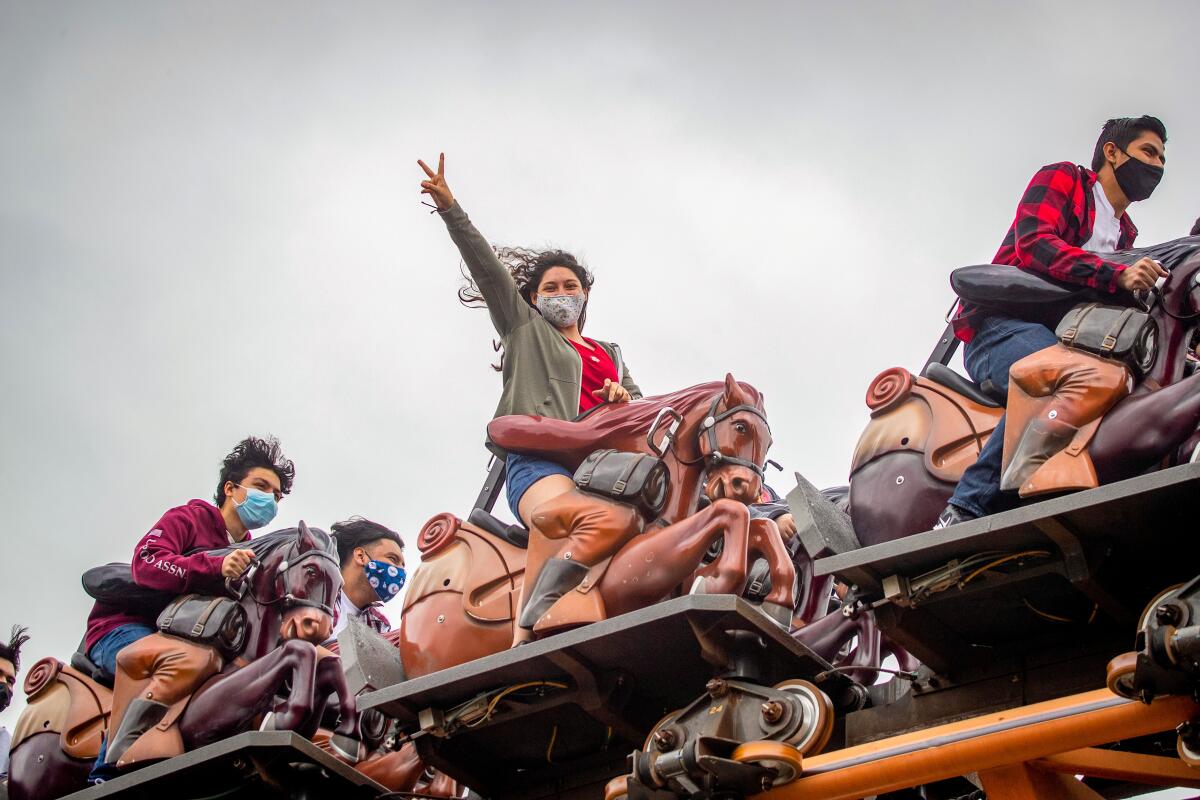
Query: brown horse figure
(288, 601)
(464, 599)
(924, 432)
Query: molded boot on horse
(465, 598)
(1073, 422)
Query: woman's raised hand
(436, 186)
(612, 393)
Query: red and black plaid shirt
(1054, 220)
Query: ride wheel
(783, 758)
(817, 726)
(1186, 754)
(617, 788)
(1120, 675)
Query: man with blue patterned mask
(372, 559)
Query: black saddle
(940, 373)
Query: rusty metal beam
(982, 743)
(1120, 766)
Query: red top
(159, 562)
(1054, 220)
(596, 367)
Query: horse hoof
(268, 723)
(779, 614)
(346, 748)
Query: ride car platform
(1062, 586)
(602, 689)
(256, 764)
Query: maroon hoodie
(159, 563)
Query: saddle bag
(215, 621)
(638, 479)
(1122, 334)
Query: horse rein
(288, 600)
(708, 434)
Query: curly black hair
(254, 452)
(527, 266)
(12, 650)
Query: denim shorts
(523, 472)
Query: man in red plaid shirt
(1068, 219)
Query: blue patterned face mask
(386, 579)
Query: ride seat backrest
(81, 662)
(516, 535)
(941, 374)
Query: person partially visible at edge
(10, 665)
(372, 559)
(254, 477)
(538, 304)
(1195, 231)
(1069, 218)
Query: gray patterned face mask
(561, 310)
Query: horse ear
(733, 392)
(305, 540)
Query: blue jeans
(999, 343)
(523, 472)
(104, 652)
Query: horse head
(1181, 292)
(734, 438)
(299, 577)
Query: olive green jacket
(542, 370)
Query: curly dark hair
(254, 452)
(12, 650)
(527, 266)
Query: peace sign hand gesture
(436, 186)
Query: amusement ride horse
(925, 431)
(287, 597)
(464, 599)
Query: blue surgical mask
(386, 579)
(257, 509)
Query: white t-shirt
(1106, 231)
(370, 616)
(5, 740)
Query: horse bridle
(287, 599)
(707, 434)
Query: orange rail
(994, 740)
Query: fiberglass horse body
(288, 600)
(465, 598)
(925, 431)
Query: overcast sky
(210, 226)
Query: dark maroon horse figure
(282, 679)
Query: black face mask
(5, 695)
(1137, 179)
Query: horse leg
(766, 541)
(826, 636)
(1144, 428)
(331, 679)
(867, 656)
(651, 565)
(227, 704)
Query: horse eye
(740, 427)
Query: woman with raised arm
(538, 304)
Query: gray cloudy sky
(209, 225)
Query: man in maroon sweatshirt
(170, 557)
